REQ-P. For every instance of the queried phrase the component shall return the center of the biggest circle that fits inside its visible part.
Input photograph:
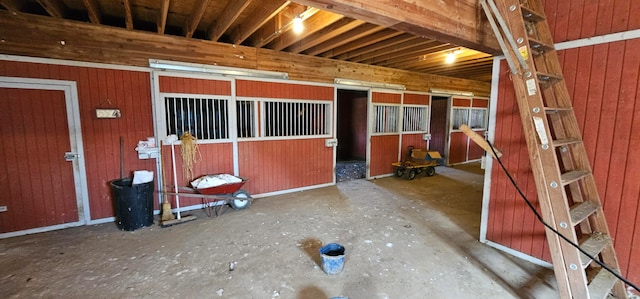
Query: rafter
(324, 34)
(415, 54)
(466, 64)
(54, 8)
(395, 47)
(455, 22)
(362, 43)
(128, 18)
(162, 16)
(438, 61)
(192, 22)
(267, 10)
(319, 26)
(13, 6)
(355, 54)
(278, 25)
(229, 15)
(93, 11)
(352, 35)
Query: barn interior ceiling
(272, 24)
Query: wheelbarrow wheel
(240, 204)
(412, 174)
(431, 171)
(400, 171)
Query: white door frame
(75, 136)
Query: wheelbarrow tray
(222, 189)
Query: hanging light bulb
(297, 25)
(450, 58)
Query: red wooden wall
(275, 165)
(414, 140)
(384, 148)
(99, 88)
(603, 81)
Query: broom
(166, 206)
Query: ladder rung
(593, 245)
(548, 78)
(563, 142)
(602, 284)
(580, 212)
(549, 110)
(531, 15)
(539, 46)
(572, 176)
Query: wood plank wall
(384, 148)
(603, 81)
(101, 88)
(414, 140)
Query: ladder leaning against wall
(565, 185)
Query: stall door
(36, 181)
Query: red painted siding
(274, 165)
(576, 19)
(194, 86)
(246, 88)
(461, 102)
(475, 151)
(414, 140)
(605, 88)
(390, 98)
(416, 99)
(457, 147)
(480, 103)
(128, 90)
(384, 151)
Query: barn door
(40, 182)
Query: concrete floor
(403, 239)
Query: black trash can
(134, 204)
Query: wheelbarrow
(214, 199)
(418, 161)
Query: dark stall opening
(351, 154)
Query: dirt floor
(403, 239)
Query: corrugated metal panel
(274, 165)
(384, 151)
(128, 90)
(576, 19)
(245, 88)
(603, 81)
(36, 181)
(194, 86)
(416, 99)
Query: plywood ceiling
(269, 24)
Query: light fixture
(451, 56)
(211, 69)
(451, 92)
(298, 27)
(368, 84)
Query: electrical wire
(603, 265)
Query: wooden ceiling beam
(228, 16)
(162, 16)
(410, 55)
(438, 63)
(13, 6)
(262, 14)
(473, 63)
(54, 8)
(92, 11)
(362, 43)
(341, 26)
(361, 31)
(194, 19)
(392, 48)
(458, 22)
(276, 26)
(128, 17)
(351, 55)
(312, 24)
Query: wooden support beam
(162, 16)
(362, 43)
(54, 8)
(192, 22)
(229, 15)
(317, 27)
(404, 37)
(372, 57)
(128, 18)
(279, 24)
(93, 11)
(39, 36)
(458, 22)
(13, 6)
(267, 10)
(325, 34)
(362, 31)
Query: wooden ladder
(565, 185)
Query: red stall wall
(127, 90)
(384, 148)
(603, 81)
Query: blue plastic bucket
(332, 256)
